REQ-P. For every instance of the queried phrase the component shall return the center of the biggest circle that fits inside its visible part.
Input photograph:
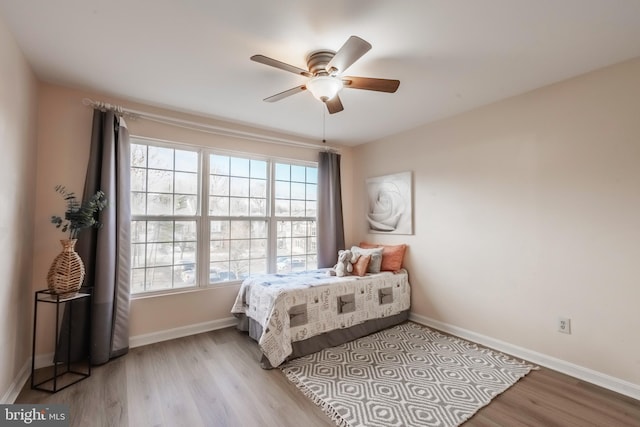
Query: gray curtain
(105, 251)
(330, 223)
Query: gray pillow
(376, 257)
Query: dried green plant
(79, 215)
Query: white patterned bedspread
(296, 306)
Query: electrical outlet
(564, 325)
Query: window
(164, 222)
(239, 227)
(240, 216)
(296, 188)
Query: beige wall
(64, 132)
(526, 210)
(18, 109)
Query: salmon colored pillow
(392, 255)
(361, 265)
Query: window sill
(180, 291)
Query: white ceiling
(193, 55)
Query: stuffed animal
(346, 259)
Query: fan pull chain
(324, 120)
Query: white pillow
(376, 258)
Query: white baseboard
(23, 376)
(594, 377)
(183, 331)
(16, 386)
(43, 360)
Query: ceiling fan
(325, 74)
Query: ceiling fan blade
(366, 83)
(279, 64)
(334, 105)
(282, 95)
(349, 53)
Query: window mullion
(273, 229)
(204, 236)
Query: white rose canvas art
(390, 205)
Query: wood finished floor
(214, 379)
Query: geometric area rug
(407, 375)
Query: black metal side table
(65, 373)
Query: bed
(291, 315)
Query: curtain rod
(201, 127)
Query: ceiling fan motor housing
(317, 61)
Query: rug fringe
(326, 407)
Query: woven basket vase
(67, 270)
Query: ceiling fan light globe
(324, 88)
